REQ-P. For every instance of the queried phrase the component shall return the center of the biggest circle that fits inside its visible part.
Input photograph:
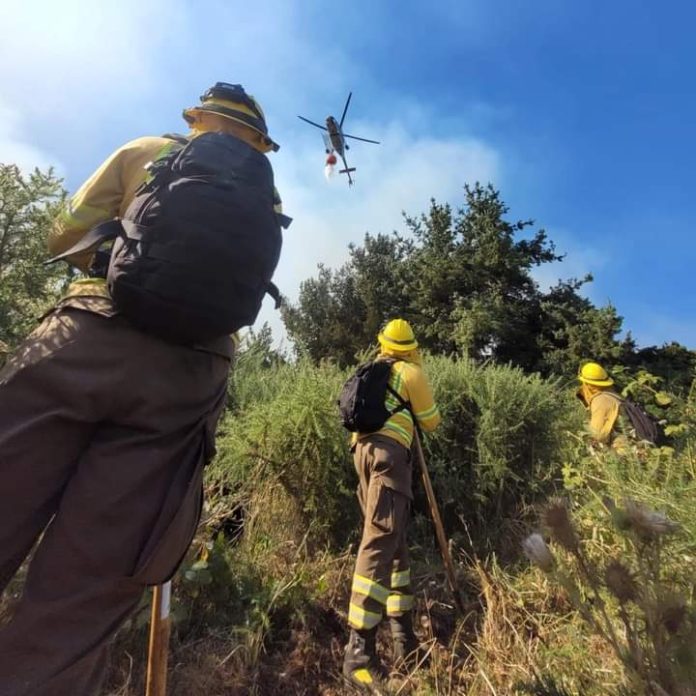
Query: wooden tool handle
(437, 520)
(158, 652)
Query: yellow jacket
(409, 381)
(605, 426)
(105, 195)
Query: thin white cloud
(127, 66)
(16, 147)
(402, 174)
(76, 64)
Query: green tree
(465, 280)
(675, 363)
(573, 330)
(340, 312)
(28, 204)
(259, 344)
(474, 292)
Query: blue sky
(583, 114)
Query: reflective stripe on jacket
(410, 382)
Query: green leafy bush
(501, 443)
(291, 441)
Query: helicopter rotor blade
(345, 110)
(365, 140)
(311, 123)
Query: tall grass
(261, 600)
(501, 442)
(293, 442)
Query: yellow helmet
(398, 335)
(231, 101)
(593, 373)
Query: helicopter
(335, 140)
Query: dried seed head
(621, 520)
(620, 582)
(646, 523)
(618, 515)
(672, 613)
(559, 524)
(538, 552)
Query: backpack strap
(99, 234)
(272, 290)
(109, 230)
(181, 139)
(403, 404)
(283, 220)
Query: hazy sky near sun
(582, 114)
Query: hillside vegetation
(261, 602)
(606, 606)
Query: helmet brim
(597, 382)
(404, 347)
(190, 116)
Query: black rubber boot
(406, 647)
(361, 668)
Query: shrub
(500, 445)
(292, 441)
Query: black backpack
(361, 402)
(643, 424)
(195, 251)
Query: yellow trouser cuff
(370, 588)
(363, 676)
(399, 603)
(401, 578)
(361, 618)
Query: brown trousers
(382, 570)
(104, 432)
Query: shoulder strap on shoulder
(94, 238)
(182, 139)
(403, 404)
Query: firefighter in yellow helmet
(603, 404)
(382, 578)
(107, 193)
(233, 110)
(104, 433)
